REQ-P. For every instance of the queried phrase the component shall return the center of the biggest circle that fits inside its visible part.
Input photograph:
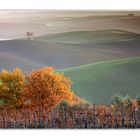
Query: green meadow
(99, 82)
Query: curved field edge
(99, 82)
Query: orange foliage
(46, 88)
(11, 85)
(134, 105)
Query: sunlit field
(69, 69)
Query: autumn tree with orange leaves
(11, 86)
(46, 88)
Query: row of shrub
(42, 87)
(119, 101)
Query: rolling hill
(29, 54)
(98, 36)
(96, 82)
(99, 82)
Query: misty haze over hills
(66, 39)
(14, 24)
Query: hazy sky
(53, 13)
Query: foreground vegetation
(44, 99)
(42, 88)
(72, 117)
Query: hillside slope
(99, 82)
(29, 54)
(89, 36)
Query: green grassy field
(99, 82)
(89, 36)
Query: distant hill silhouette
(131, 15)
